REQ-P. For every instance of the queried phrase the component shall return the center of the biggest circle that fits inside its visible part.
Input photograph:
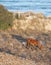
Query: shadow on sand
(19, 38)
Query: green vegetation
(6, 18)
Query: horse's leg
(27, 44)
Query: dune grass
(6, 18)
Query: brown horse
(34, 42)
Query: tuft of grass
(17, 16)
(6, 18)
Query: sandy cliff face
(35, 22)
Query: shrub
(6, 18)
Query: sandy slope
(13, 52)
